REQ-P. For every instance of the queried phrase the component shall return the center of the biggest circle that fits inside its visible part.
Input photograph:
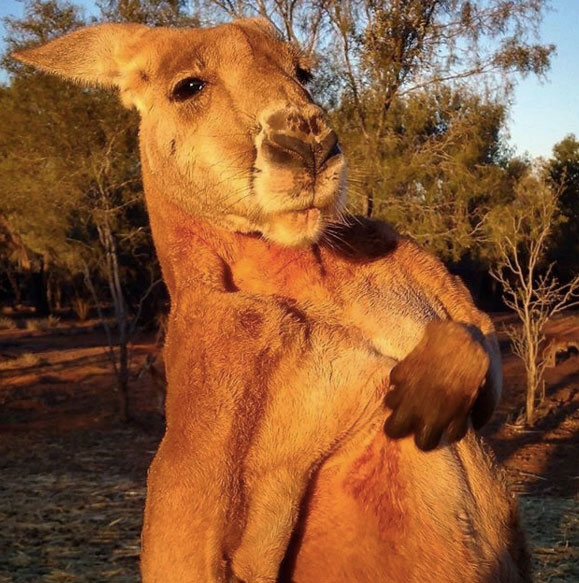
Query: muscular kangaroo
(311, 362)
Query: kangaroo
(324, 375)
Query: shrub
(42, 324)
(81, 308)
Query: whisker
(245, 195)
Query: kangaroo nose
(327, 149)
(289, 150)
(294, 148)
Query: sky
(543, 111)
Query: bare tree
(520, 234)
(125, 322)
(114, 192)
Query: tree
(563, 172)
(391, 50)
(14, 258)
(77, 208)
(441, 167)
(520, 233)
(150, 12)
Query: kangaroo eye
(303, 75)
(187, 88)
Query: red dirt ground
(73, 477)
(542, 459)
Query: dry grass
(71, 508)
(7, 323)
(42, 324)
(553, 528)
(81, 308)
(25, 360)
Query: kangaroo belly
(383, 511)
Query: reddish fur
(371, 500)
(386, 499)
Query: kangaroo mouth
(293, 202)
(298, 228)
(302, 219)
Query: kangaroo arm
(458, 302)
(458, 357)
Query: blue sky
(543, 111)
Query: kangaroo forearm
(458, 301)
(185, 497)
(461, 308)
(455, 299)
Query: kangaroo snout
(299, 141)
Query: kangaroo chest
(378, 298)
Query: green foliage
(523, 220)
(150, 12)
(563, 172)
(69, 166)
(437, 168)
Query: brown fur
(286, 329)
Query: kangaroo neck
(193, 251)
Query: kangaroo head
(228, 131)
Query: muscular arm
(458, 302)
(449, 368)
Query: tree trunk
(15, 285)
(39, 292)
(123, 370)
(531, 394)
(54, 293)
(122, 318)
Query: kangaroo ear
(104, 55)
